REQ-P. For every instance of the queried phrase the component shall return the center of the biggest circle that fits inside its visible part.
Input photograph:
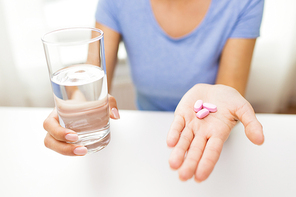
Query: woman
(173, 45)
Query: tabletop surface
(135, 163)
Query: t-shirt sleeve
(249, 21)
(107, 14)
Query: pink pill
(198, 105)
(209, 106)
(202, 113)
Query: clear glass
(76, 65)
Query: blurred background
(24, 80)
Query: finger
(63, 147)
(175, 130)
(192, 159)
(53, 127)
(253, 128)
(209, 159)
(178, 153)
(113, 110)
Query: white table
(135, 163)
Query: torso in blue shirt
(163, 69)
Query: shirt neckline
(196, 29)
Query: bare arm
(197, 143)
(235, 63)
(111, 41)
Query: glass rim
(76, 42)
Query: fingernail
(115, 113)
(80, 151)
(72, 137)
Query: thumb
(253, 128)
(113, 110)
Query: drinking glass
(76, 65)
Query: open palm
(198, 142)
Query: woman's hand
(198, 142)
(58, 136)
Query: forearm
(235, 64)
(111, 41)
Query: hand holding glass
(76, 64)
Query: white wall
(24, 22)
(11, 90)
(273, 68)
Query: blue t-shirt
(163, 68)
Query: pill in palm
(209, 106)
(198, 105)
(202, 113)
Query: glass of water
(76, 64)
